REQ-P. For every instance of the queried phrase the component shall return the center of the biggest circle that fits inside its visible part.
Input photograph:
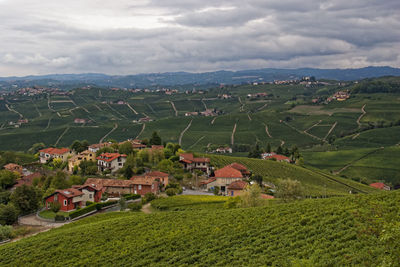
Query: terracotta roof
(238, 185)
(228, 172)
(157, 147)
(265, 196)
(277, 157)
(69, 192)
(110, 156)
(134, 145)
(157, 174)
(140, 180)
(238, 166)
(28, 180)
(379, 185)
(12, 166)
(210, 180)
(99, 145)
(80, 187)
(188, 158)
(99, 183)
(57, 151)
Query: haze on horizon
(128, 37)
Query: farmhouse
(224, 150)
(110, 161)
(381, 186)
(275, 156)
(96, 147)
(77, 159)
(12, 167)
(191, 163)
(223, 178)
(69, 199)
(48, 154)
(240, 167)
(160, 177)
(236, 188)
(116, 187)
(26, 180)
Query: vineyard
(316, 183)
(344, 231)
(180, 203)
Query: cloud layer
(128, 37)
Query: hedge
(101, 205)
(82, 211)
(131, 196)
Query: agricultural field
(314, 232)
(183, 203)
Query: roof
(140, 180)
(157, 174)
(57, 151)
(12, 166)
(98, 183)
(157, 147)
(277, 157)
(228, 172)
(379, 185)
(188, 158)
(27, 180)
(110, 156)
(134, 145)
(210, 180)
(238, 185)
(99, 145)
(69, 192)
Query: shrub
(136, 206)
(101, 205)
(148, 197)
(8, 214)
(5, 232)
(88, 203)
(132, 196)
(171, 192)
(216, 190)
(55, 207)
(83, 211)
(59, 217)
(232, 202)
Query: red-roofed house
(191, 163)
(48, 154)
(223, 178)
(116, 187)
(240, 167)
(273, 155)
(110, 161)
(12, 167)
(69, 199)
(162, 177)
(236, 188)
(27, 180)
(381, 186)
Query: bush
(88, 203)
(8, 214)
(101, 205)
(59, 217)
(131, 196)
(232, 202)
(136, 206)
(5, 232)
(171, 192)
(83, 211)
(148, 197)
(55, 207)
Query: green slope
(316, 183)
(316, 232)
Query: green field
(316, 232)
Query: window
(152, 186)
(65, 202)
(90, 195)
(140, 187)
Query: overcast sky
(140, 36)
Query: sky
(145, 36)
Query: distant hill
(206, 78)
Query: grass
(48, 214)
(316, 232)
(180, 203)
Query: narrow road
(48, 123)
(204, 103)
(38, 111)
(151, 108)
(302, 132)
(173, 106)
(201, 138)
(233, 134)
(242, 105)
(362, 115)
(131, 108)
(146, 208)
(141, 131)
(183, 132)
(248, 115)
(212, 122)
(13, 110)
(98, 107)
(48, 104)
(61, 136)
(261, 108)
(112, 130)
(330, 130)
(282, 142)
(354, 161)
(316, 124)
(267, 131)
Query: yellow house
(77, 159)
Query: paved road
(33, 220)
(196, 193)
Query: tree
(8, 214)
(76, 180)
(258, 179)
(105, 149)
(125, 148)
(255, 152)
(5, 197)
(26, 199)
(155, 139)
(59, 181)
(268, 150)
(216, 190)
(88, 167)
(251, 196)
(171, 192)
(55, 207)
(127, 169)
(288, 189)
(122, 203)
(279, 150)
(7, 179)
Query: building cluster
(206, 113)
(274, 156)
(32, 91)
(257, 95)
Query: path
(151, 108)
(116, 111)
(107, 134)
(204, 103)
(173, 106)
(141, 131)
(212, 122)
(98, 107)
(330, 130)
(38, 111)
(61, 136)
(146, 208)
(183, 132)
(233, 134)
(355, 136)
(13, 110)
(73, 102)
(248, 116)
(282, 143)
(354, 161)
(242, 105)
(48, 123)
(267, 131)
(316, 124)
(362, 115)
(261, 108)
(302, 132)
(201, 138)
(131, 108)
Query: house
(90, 193)
(160, 177)
(157, 147)
(69, 199)
(110, 161)
(275, 156)
(77, 159)
(381, 186)
(116, 187)
(236, 188)
(27, 180)
(191, 163)
(222, 178)
(224, 150)
(12, 167)
(240, 167)
(96, 147)
(48, 154)
(79, 121)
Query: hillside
(329, 232)
(316, 183)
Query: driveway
(196, 193)
(34, 221)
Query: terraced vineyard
(318, 232)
